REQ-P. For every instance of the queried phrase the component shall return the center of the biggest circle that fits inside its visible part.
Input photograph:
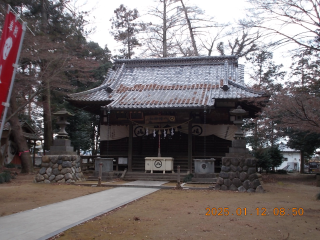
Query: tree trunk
(46, 103)
(1, 160)
(23, 149)
(193, 41)
(302, 161)
(164, 39)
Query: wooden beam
(190, 146)
(130, 147)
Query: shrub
(188, 178)
(10, 165)
(281, 171)
(5, 177)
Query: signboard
(9, 46)
(159, 119)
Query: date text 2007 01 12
(259, 211)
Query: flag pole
(15, 67)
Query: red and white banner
(9, 46)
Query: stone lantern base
(60, 168)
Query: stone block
(243, 176)
(245, 168)
(225, 169)
(235, 162)
(60, 167)
(227, 182)
(242, 162)
(62, 181)
(234, 168)
(59, 177)
(42, 170)
(233, 188)
(239, 143)
(253, 177)
(55, 166)
(232, 175)
(251, 190)
(224, 175)
(220, 180)
(242, 189)
(254, 184)
(53, 159)
(66, 164)
(49, 171)
(224, 187)
(251, 170)
(39, 178)
(45, 159)
(47, 181)
(217, 187)
(55, 171)
(45, 165)
(66, 170)
(236, 182)
(68, 176)
(45, 176)
(237, 175)
(226, 161)
(70, 181)
(52, 177)
(246, 184)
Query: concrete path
(145, 183)
(47, 221)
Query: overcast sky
(222, 11)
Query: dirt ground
(22, 194)
(189, 214)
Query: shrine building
(175, 108)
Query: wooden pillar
(190, 146)
(34, 152)
(130, 148)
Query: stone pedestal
(60, 168)
(239, 174)
(61, 146)
(238, 149)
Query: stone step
(204, 180)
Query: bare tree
(159, 40)
(290, 21)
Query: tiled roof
(170, 83)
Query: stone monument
(238, 170)
(61, 164)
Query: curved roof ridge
(245, 88)
(175, 59)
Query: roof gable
(170, 83)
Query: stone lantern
(239, 113)
(61, 164)
(62, 122)
(62, 144)
(239, 143)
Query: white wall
(293, 160)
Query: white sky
(222, 11)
